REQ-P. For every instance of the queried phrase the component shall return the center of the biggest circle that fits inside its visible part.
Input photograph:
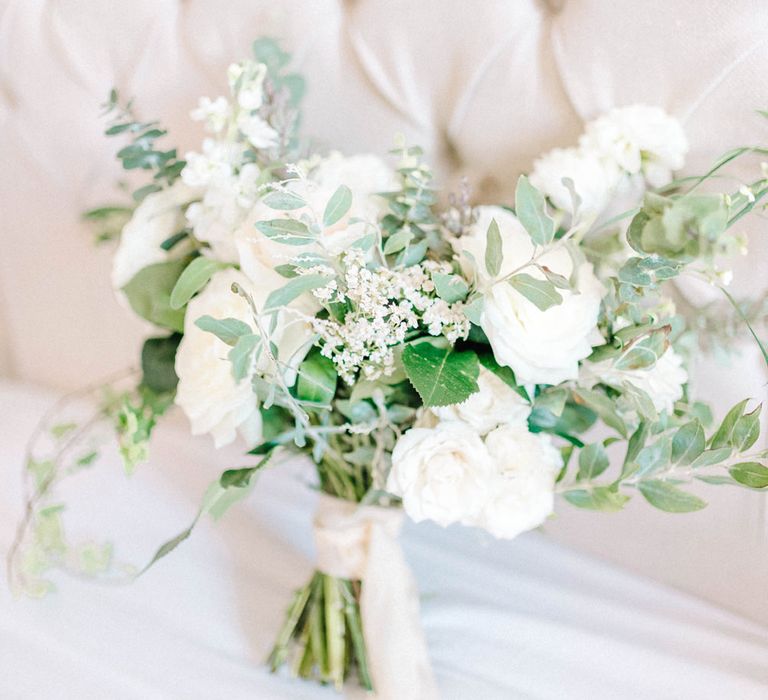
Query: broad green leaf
(158, 356)
(688, 443)
(723, 435)
(474, 310)
(592, 462)
(643, 352)
(494, 253)
(317, 379)
(746, 431)
(669, 498)
(228, 330)
(752, 474)
(287, 231)
(450, 288)
(530, 208)
(441, 376)
(634, 445)
(397, 241)
(598, 498)
(710, 457)
(295, 288)
(655, 457)
(241, 355)
(542, 293)
(604, 407)
(193, 279)
(552, 400)
(149, 294)
(284, 201)
(338, 205)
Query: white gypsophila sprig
(385, 306)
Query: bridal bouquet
(459, 364)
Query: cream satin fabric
(360, 543)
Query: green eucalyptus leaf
(193, 279)
(592, 462)
(450, 288)
(441, 376)
(474, 310)
(228, 330)
(752, 474)
(723, 435)
(283, 200)
(494, 254)
(241, 355)
(711, 457)
(294, 289)
(530, 208)
(746, 430)
(338, 205)
(542, 293)
(286, 231)
(669, 498)
(397, 242)
(688, 443)
(601, 498)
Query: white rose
(639, 138)
(495, 403)
(207, 392)
(594, 179)
(541, 347)
(441, 473)
(522, 493)
(663, 381)
(365, 175)
(157, 218)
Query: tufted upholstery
(484, 86)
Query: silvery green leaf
(338, 205)
(604, 407)
(556, 279)
(592, 462)
(494, 253)
(413, 254)
(747, 430)
(441, 376)
(284, 201)
(192, 280)
(634, 445)
(601, 498)
(286, 231)
(669, 498)
(397, 241)
(645, 351)
(450, 288)
(365, 242)
(710, 457)
(655, 457)
(752, 474)
(688, 443)
(474, 309)
(530, 208)
(295, 288)
(575, 199)
(241, 355)
(228, 330)
(541, 293)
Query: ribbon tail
(394, 639)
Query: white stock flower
(215, 113)
(494, 404)
(442, 473)
(365, 175)
(541, 347)
(593, 178)
(663, 381)
(639, 138)
(522, 492)
(207, 392)
(257, 130)
(159, 216)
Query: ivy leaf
(295, 288)
(530, 208)
(450, 288)
(317, 379)
(441, 376)
(193, 279)
(669, 498)
(592, 462)
(228, 330)
(752, 474)
(338, 205)
(542, 293)
(284, 201)
(494, 254)
(149, 294)
(688, 443)
(598, 498)
(287, 231)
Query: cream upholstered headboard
(484, 86)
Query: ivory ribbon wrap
(360, 543)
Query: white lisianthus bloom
(365, 175)
(639, 138)
(522, 492)
(494, 404)
(594, 179)
(663, 381)
(207, 392)
(159, 216)
(541, 347)
(441, 473)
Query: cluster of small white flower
(384, 306)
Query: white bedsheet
(522, 619)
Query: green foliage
(592, 461)
(494, 252)
(530, 208)
(665, 496)
(542, 293)
(149, 294)
(751, 474)
(135, 420)
(338, 205)
(317, 379)
(601, 498)
(441, 376)
(242, 355)
(192, 280)
(287, 231)
(284, 200)
(450, 288)
(157, 363)
(228, 330)
(294, 289)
